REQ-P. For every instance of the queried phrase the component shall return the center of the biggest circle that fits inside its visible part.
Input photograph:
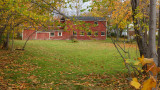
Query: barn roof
(88, 18)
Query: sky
(72, 11)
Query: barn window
(52, 34)
(74, 33)
(96, 23)
(96, 33)
(59, 33)
(102, 33)
(74, 22)
(89, 33)
(81, 33)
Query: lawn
(64, 65)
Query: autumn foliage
(152, 71)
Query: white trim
(22, 34)
(49, 35)
(36, 36)
(81, 35)
(59, 32)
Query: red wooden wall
(27, 33)
(69, 32)
(99, 28)
(43, 36)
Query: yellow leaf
(145, 60)
(136, 63)
(135, 83)
(140, 69)
(149, 84)
(148, 60)
(141, 59)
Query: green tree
(21, 14)
(117, 13)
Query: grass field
(64, 65)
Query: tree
(158, 51)
(117, 13)
(144, 19)
(140, 19)
(18, 13)
(147, 49)
(141, 37)
(152, 31)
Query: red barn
(89, 28)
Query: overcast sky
(72, 11)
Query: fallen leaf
(135, 83)
(32, 77)
(9, 88)
(149, 84)
(35, 81)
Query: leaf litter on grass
(10, 68)
(13, 72)
(88, 81)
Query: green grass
(59, 64)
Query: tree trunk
(135, 4)
(128, 36)
(140, 37)
(12, 39)
(1, 34)
(6, 42)
(3, 28)
(158, 52)
(152, 31)
(117, 30)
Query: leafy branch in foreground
(151, 74)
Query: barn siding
(100, 28)
(43, 36)
(65, 35)
(27, 33)
(69, 32)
